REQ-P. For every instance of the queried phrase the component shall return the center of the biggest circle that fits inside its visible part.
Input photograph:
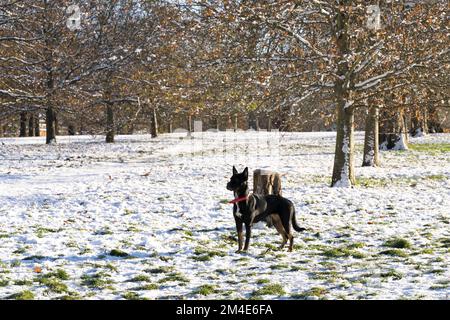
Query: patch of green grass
(69, 296)
(111, 267)
(356, 245)
(148, 286)
(15, 263)
(41, 231)
(140, 278)
(131, 296)
(23, 295)
(398, 243)
(205, 290)
(430, 147)
(316, 291)
(174, 277)
(445, 242)
(23, 282)
(394, 252)
(343, 252)
(202, 254)
(55, 285)
(118, 253)
(279, 266)
(262, 281)
(96, 281)
(392, 274)
(159, 270)
(127, 212)
(4, 282)
(269, 289)
(53, 281)
(372, 182)
(59, 274)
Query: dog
(252, 208)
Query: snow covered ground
(148, 218)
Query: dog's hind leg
(287, 227)
(279, 226)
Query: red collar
(239, 199)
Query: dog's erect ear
(245, 173)
(234, 170)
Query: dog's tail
(294, 222)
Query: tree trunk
(50, 123)
(393, 132)
(434, 123)
(170, 126)
(71, 129)
(419, 122)
(110, 125)
(31, 123)
(37, 126)
(343, 170)
(266, 182)
(235, 122)
(23, 124)
(257, 124)
(269, 124)
(56, 124)
(154, 124)
(1, 130)
(189, 125)
(371, 143)
(218, 123)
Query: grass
(398, 243)
(118, 253)
(131, 296)
(392, 274)
(269, 289)
(394, 252)
(205, 290)
(96, 281)
(430, 147)
(148, 286)
(343, 252)
(313, 292)
(174, 277)
(159, 270)
(262, 281)
(23, 282)
(201, 254)
(53, 281)
(4, 282)
(23, 295)
(140, 278)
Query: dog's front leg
(248, 234)
(239, 233)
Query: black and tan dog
(249, 209)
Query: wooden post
(266, 182)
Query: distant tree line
(125, 66)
